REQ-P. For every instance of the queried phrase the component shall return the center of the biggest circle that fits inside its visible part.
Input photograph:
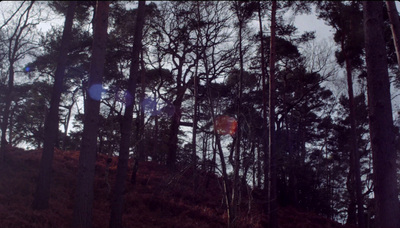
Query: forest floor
(159, 198)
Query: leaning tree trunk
(82, 217)
(383, 142)
(42, 194)
(395, 26)
(126, 126)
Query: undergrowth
(158, 199)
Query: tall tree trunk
(195, 107)
(140, 156)
(381, 119)
(195, 95)
(355, 161)
(174, 130)
(126, 126)
(265, 98)
(204, 164)
(292, 182)
(259, 169)
(265, 145)
(395, 26)
(227, 195)
(82, 217)
(175, 120)
(238, 136)
(272, 194)
(156, 139)
(226, 192)
(262, 60)
(194, 127)
(225, 178)
(6, 112)
(351, 207)
(140, 133)
(42, 194)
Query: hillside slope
(159, 198)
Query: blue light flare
(95, 91)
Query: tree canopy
(229, 88)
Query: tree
(44, 66)
(272, 163)
(82, 216)
(243, 12)
(27, 114)
(264, 96)
(196, 99)
(350, 39)
(126, 125)
(226, 191)
(380, 118)
(176, 25)
(42, 195)
(211, 33)
(18, 46)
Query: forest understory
(159, 198)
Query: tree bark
(227, 195)
(225, 178)
(6, 112)
(355, 155)
(238, 136)
(395, 26)
(265, 99)
(176, 116)
(140, 133)
(42, 194)
(195, 119)
(196, 100)
(174, 130)
(82, 216)
(380, 118)
(126, 126)
(272, 194)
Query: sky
(310, 22)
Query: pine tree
(272, 188)
(82, 216)
(126, 125)
(42, 194)
(380, 117)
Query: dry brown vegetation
(159, 198)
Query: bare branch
(11, 17)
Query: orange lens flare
(225, 125)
